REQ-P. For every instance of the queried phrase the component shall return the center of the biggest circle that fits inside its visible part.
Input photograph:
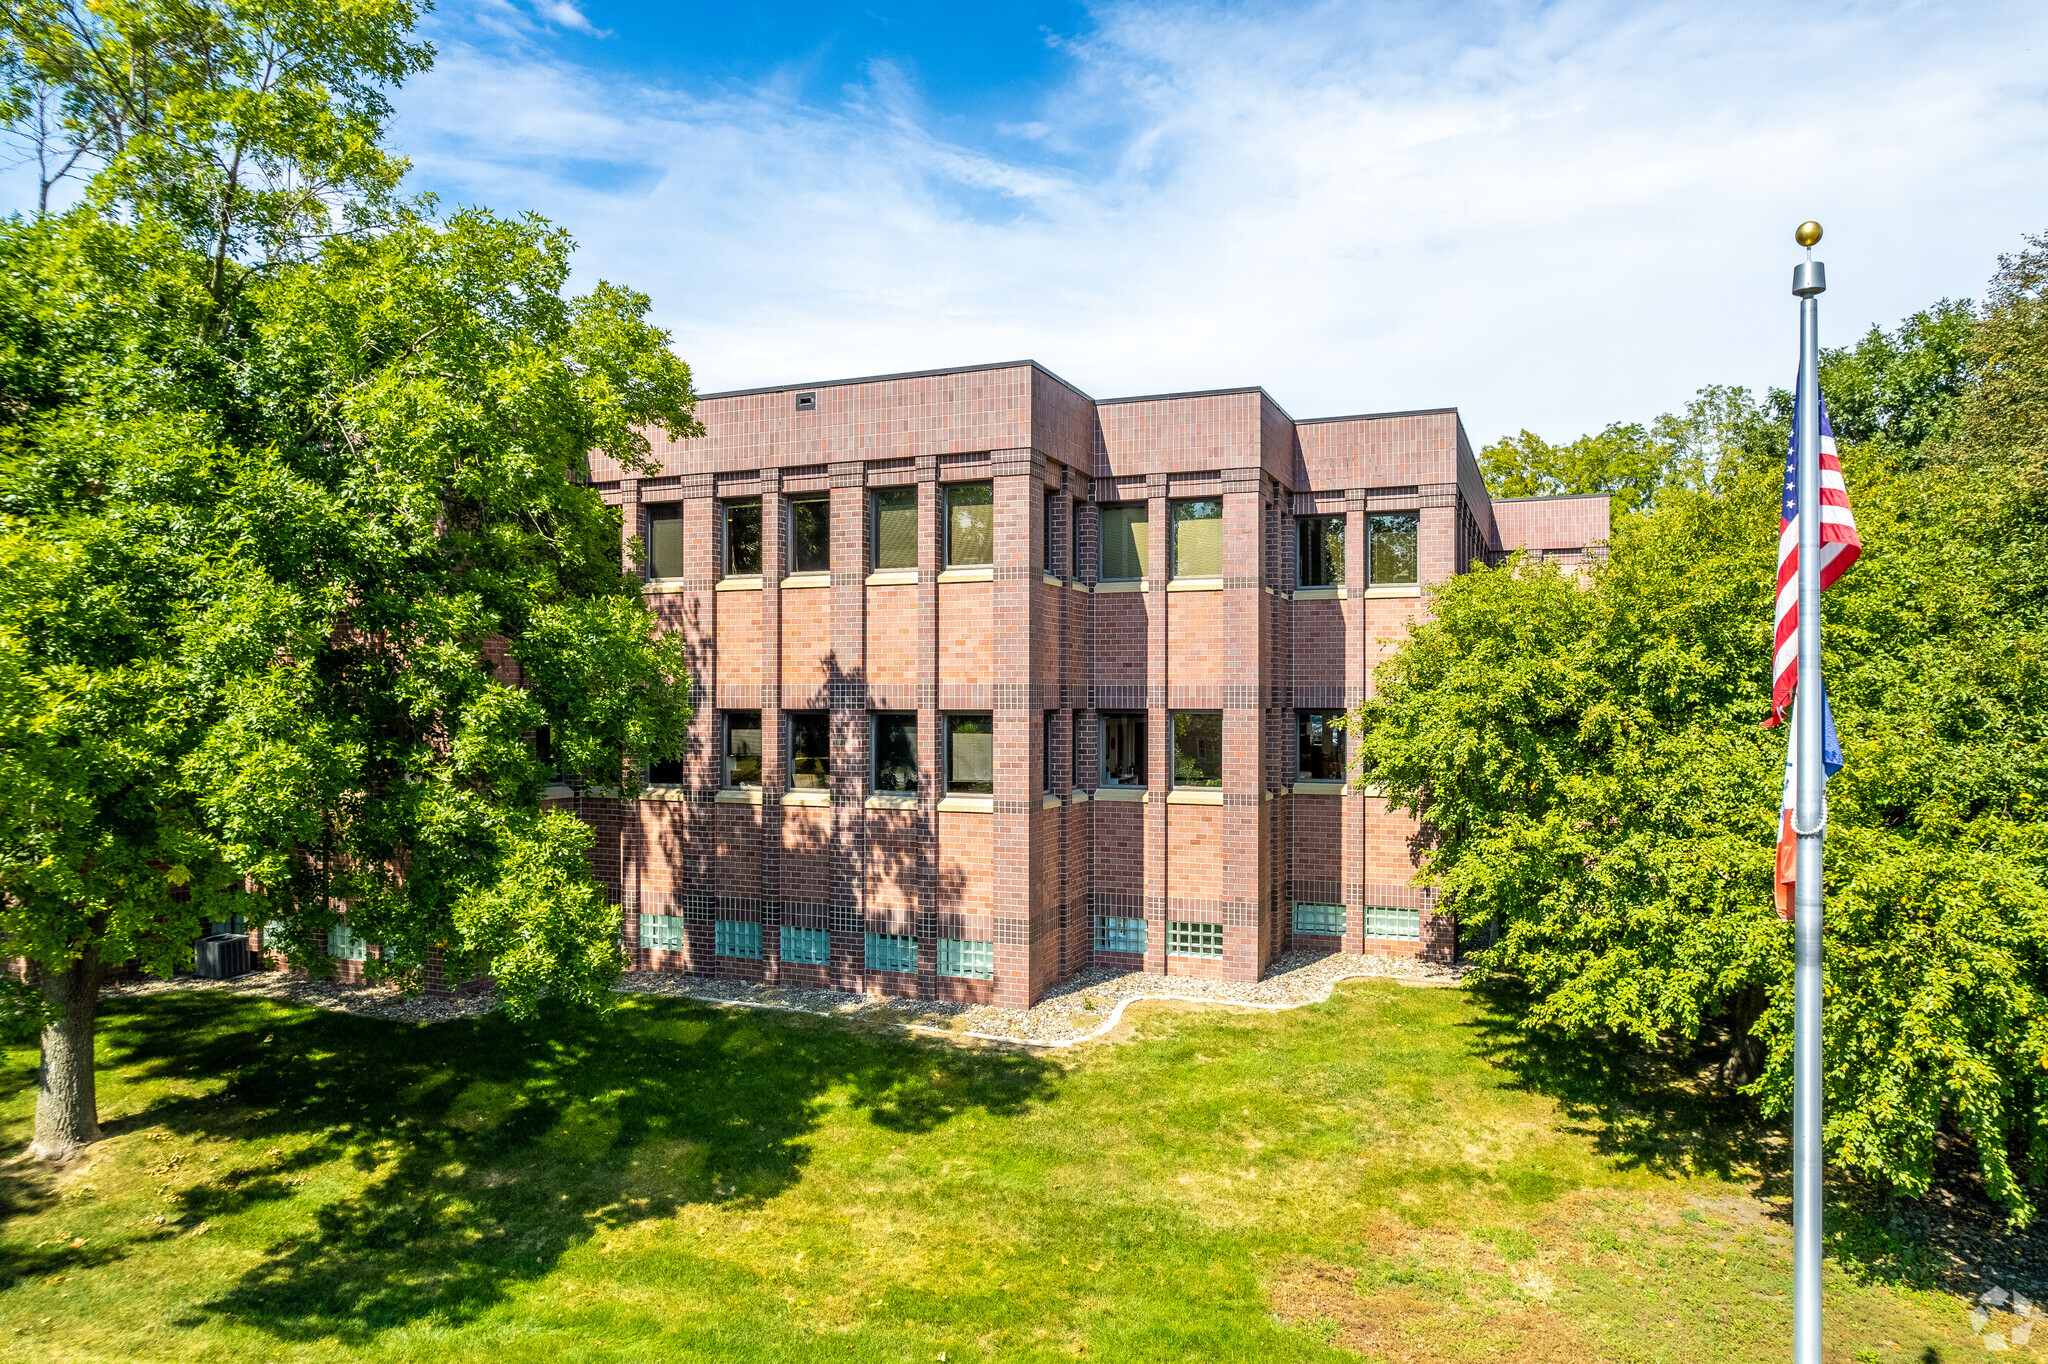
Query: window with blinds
(1198, 538)
(970, 524)
(971, 754)
(1123, 542)
(665, 541)
(895, 527)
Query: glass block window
(895, 527)
(1185, 939)
(343, 945)
(810, 534)
(1119, 935)
(1382, 921)
(731, 938)
(1394, 546)
(891, 952)
(970, 524)
(743, 748)
(810, 750)
(967, 959)
(1327, 920)
(1123, 748)
(1322, 745)
(662, 932)
(1319, 551)
(1198, 538)
(1198, 748)
(807, 946)
(971, 754)
(743, 538)
(1123, 542)
(895, 752)
(665, 540)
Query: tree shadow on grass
(491, 1147)
(1645, 1108)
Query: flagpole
(1809, 281)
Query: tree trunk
(67, 1107)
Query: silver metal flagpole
(1809, 820)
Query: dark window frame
(791, 720)
(972, 788)
(726, 508)
(1103, 513)
(947, 491)
(875, 496)
(651, 513)
(875, 726)
(790, 541)
(1173, 521)
(1104, 719)
(1173, 728)
(1413, 520)
(1302, 719)
(725, 755)
(1050, 727)
(1304, 530)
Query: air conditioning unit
(223, 956)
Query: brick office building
(995, 681)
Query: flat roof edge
(1380, 416)
(888, 378)
(1552, 497)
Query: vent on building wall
(806, 402)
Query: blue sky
(1550, 215)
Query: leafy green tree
(297, 546)
(1592, 763)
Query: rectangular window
(971, 754)
(1045, 750)
(810, 750)
(665, 540)
(895, 752)
(743, 539)
(661, 932)
(1074, 540)
(1324, 920)
(343, 945)
(731, 938)
(810, 534)
(891, 952)
(544, 754)
(1319, 546)
(665, 772)
(1382, 921)
(1052, 502)
(966, 959)
(1074, 752)
(895, 515)
(970, 524)
(1394, 540)
(1123, 542)
(807, 946)
(1185, 939)
(743, 748)
(1322, 745)
(1119, 935)
(1198, 748)
(1198, 538)
(1123, 748)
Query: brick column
(847, 687)
(1158, 718)
(774, 753)
(1354, 807)
(1086, 762)
(1439, 561)
(703, 565)
(1247, 915)
(1021, 945)
(931, 510)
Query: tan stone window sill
(1317, 788)
(1125, 585)
(1394, 590)
(739, 795)
(1319, 594)
(557, 790)
(973, 573)
(662, 586)
(1078, 796)
(1051, 581)
(807, 796)
(892, 800)
(749, 583)
(668, 791)
(795, 580)
(968, 803)
(1135, 794)
(1195, 795)
(1195, 585)
(892, 577)
(1050, 803)
(1080, 586)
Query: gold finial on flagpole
(1808, 234)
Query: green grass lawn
(1395, 1173)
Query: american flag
(1839, 546)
